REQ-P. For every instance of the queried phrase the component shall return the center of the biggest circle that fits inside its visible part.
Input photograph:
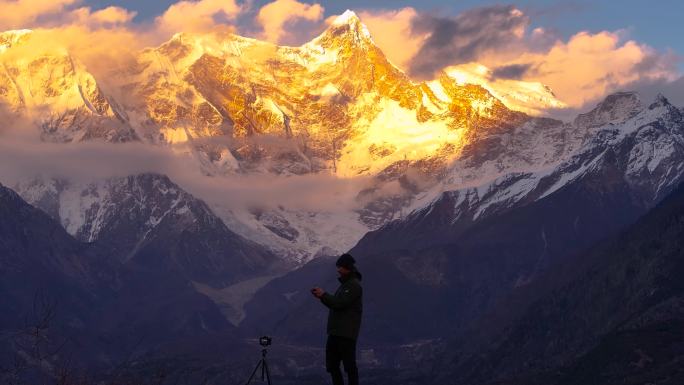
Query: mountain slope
(58, 94)
(37, 254)
(616, 319)
(61, 292)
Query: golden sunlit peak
(10, 38)
(348, 17)
(16, 32)
(472, 73)
(530, 97)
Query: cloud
(198, 16)
(588, 66)
(17, 14)
(109, 16)
(673, 90)
(511, 71)
(23, 155)
(98, 37)
(466, 37)
(52, 14)
(114, 47)
(278, 18)
(391, 31)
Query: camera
(265, 341)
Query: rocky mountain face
(58, 95)
(147, 220)
(202, 86)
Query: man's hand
(317, 292)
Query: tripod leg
(263, 369)
(268, 373)
(254, 372)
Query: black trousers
(340, 349)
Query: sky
(657, 23)
(582, 50)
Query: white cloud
(275, 17)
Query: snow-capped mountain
(645, 143)
(11, 38)
(57, 93)
(239, 106)
(147, 220)
(334, 106)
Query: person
(344, 321)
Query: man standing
(344, 321)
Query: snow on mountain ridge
(349, 18)
(615, 108)
(8, 39)
(63, 99)
(650, 143)
(530, 97)
(83, 207)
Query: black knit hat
(347, 261)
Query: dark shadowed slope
(618, 319)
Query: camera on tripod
(265, 341)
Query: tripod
(264, 369)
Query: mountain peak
(15, 33)
(346, 27)
(660, 100)
(349, 17)
(615, 108)
(11, 38)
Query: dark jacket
(346, 306)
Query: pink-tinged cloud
(275, 18)
(198, 16)
(17, 14)
(391, 31)
(588, 66)
(107, 17)
(466, 37)
(21, 14)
